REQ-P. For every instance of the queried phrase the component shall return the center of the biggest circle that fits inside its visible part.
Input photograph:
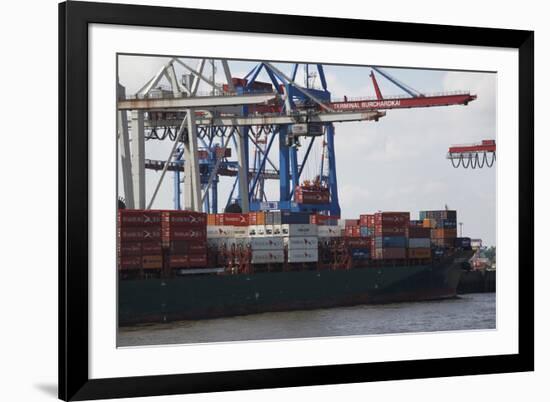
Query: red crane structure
(473, 155)
(413, 99)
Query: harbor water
(466, 312)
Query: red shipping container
(151, 248)
(183, 233)
(129, 248)
(128, 263)
(352, 222)
(187, 247)
(319, 219)
(311, 196)
(359, 242)
(389, 253)
(416, 232)
(138, 217)
(353, 231)
(392, 218)
(232, 219)
(187, 261)
(183, 218)
(139, 233)
(367, 220)
(380, 230)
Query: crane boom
(403, 103)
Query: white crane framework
(236, 111)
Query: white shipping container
(302, 242)
(299, 230)
(216, 232)
(303, 255)
(268, 256)
(256, 230)
(329, 231)
(266, 243)
(419, 242)
(277, 230)
(240, 231)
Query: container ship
(186, 265)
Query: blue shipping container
(366, 232)
(464, 242)
(448, 224)
(360, 253)
(390, 241)
(298, 218)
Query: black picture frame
(74, 18)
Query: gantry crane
(251, 116)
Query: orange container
(211, 219)
(419, 253)
(151, 261)
(429, 223)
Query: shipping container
(187, 261)
(256, 230)
(138, 217)
(266, 243)
(367, 220)
(183, 233)
(360, 253)
(129, 263)
(366, 231)
(319, 219)
(420, 253)
(351, 222)
(151, 248)
(133, 233)
(389, 253)
(328, 231)
(287, 217)
(448, 224)
(419, 242)
(187, 247)
(302, 196)
(416, 223)
(301, 242)
(183, 218)
(213, 232)
(295, 256)
(392, 219)
(353, 231)
(390, 241)
(151, 261)
(299, 230)
(429, 223)
(130, 248)
(358, 242)
(463, 242)
(211, 219)
(268, 256)
(256, 218)
(390, 230)
(232, 219)
(419, 232)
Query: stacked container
(139, 240)
(184, 234)
(419, 243)
(301, 242)
(390, 229)
(266, 249)
(366, 227)
(443, 226)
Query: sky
(396, 164)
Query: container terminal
(258, 254)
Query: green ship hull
(209, 296)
